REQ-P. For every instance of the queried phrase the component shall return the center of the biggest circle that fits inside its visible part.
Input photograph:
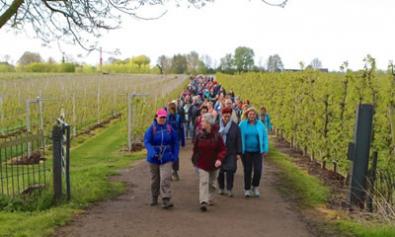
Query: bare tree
(80, 22)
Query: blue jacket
(176, 123)
(262, 133)
(267, 122)
(161, 142)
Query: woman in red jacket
(209, 152)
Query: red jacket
(209, 147)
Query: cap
(161, 113)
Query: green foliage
(316, 111)
(5, 67)
(364, 229)
(85, 69)
(38, 200)
(244, 59)
(179, 64)
(140, 60)
(47, 67)
(227, 64)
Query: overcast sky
(332, 30)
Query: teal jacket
(262, 133)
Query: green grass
(309, 193)
(308, 190)
(91, 164)
(365, 229)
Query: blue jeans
(188, 129)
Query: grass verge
(311, 195)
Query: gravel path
(130, 214)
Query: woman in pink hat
(162, 146)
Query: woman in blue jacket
(255, 146)
(161, 142)
(265, 118)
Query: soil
(131, 215)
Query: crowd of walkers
(222, 128)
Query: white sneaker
(247, 193)
(255, 192)
(221, 192)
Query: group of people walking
(222, 129)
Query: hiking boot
(203, 206)
(247, 193)
(221, 192)
(255, 192)
(166, 204)
(154, 201)
(175, 176)
(229, 193)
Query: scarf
(224, 129)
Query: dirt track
(131, 215)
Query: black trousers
(229, 179)
(252, 162)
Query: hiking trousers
(161, 180)
(207, 185)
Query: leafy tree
(227, 63)
(274, 63)
(179, 64)
(140, 60)
(29, 57)
(244, 59)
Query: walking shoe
(221, 192)
(229, 193)
(175, 176)
(247, 193)
(154, 201)
(167, 203)
(203, 206)
(255, 192)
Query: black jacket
(233, 148)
